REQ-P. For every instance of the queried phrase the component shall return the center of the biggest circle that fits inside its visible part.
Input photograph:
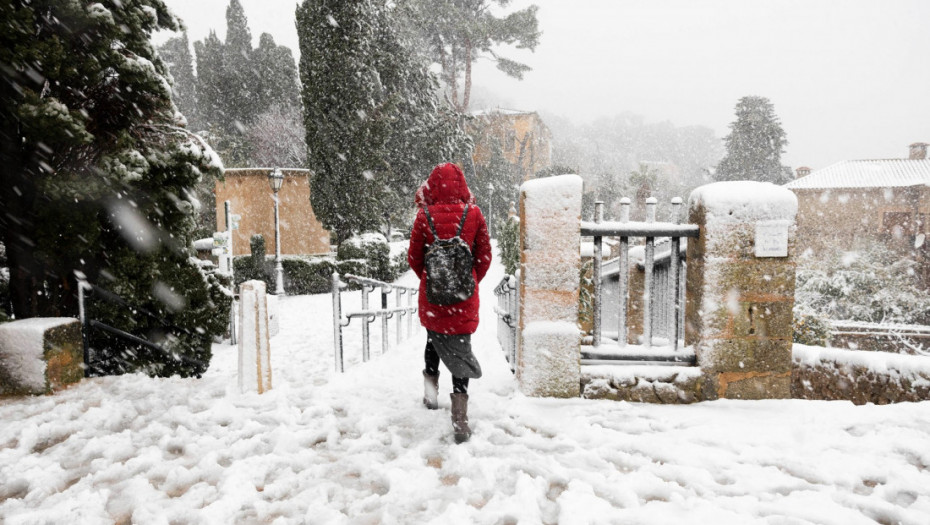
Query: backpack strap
(430, 221)
(462, 222)
(432, 226)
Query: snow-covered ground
(359, 448)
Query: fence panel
(507, 310)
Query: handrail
(369, 315)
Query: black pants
(459, 384)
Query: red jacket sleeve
(418, 242)
(482, 252)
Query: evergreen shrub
(373, 248)
(508, 244)
(810, 328)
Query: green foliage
(497, 183)
(236, 84)
(374, 123)
(456, 34)
(97, 177)
(181, 315)
(874, 285)
(177, 56)
(508, 243)
(755, 144)
(810, 328)
(257, 249)
(374, 250)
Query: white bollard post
(254, 345)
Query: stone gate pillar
(740, 283)
(548, 338)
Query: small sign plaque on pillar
(771, 238)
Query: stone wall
(858, 376)
(738, 314)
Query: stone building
(524, 138)
(854, 203)
(251, 197)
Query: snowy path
(359, 448)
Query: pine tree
(457, 33)
(373, 121)
(755, 144)
(97, 171)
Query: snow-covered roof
(878, 173)
(500, 111)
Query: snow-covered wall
(859, 376)
(740, 283)
(40, 355)
(548, 361)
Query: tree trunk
(453, 82)
(466, 94)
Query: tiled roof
(886, 173)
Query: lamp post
(490, 209)
(276, 178)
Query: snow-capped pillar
(40, 355)
(254, 345)
(740, 285)
(549, 359)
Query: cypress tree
(177, 56)
(375, 125)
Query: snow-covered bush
(810, 328)
(373, 248)
(874, 285)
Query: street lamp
(490, 209)
(276, 178)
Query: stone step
(651, 383)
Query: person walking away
(448, 295)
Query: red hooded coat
(446, 194)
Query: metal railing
(87, 291)
(507, 310)
(368, 315)
(653, 304)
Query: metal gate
(662, 302)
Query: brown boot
(460, 417)
(430, 391)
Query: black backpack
(448, 265)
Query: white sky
(849, 79)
